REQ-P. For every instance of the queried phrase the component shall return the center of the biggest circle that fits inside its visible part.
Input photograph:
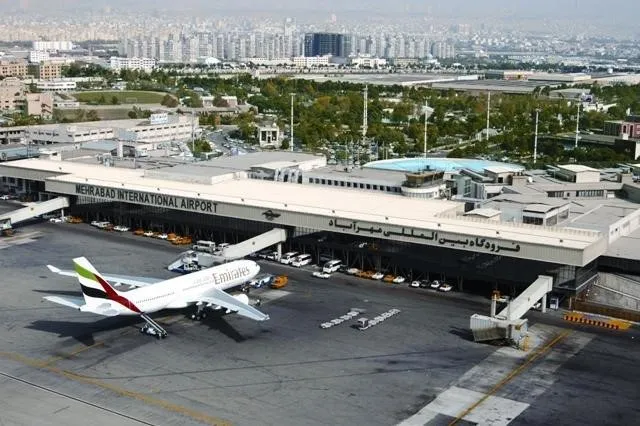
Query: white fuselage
(185, 290)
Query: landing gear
(199, 314)
(152, 328)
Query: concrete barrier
(598, 322)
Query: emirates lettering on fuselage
(234, 274)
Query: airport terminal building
(503, 242)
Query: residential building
(52, 45)
(14, 68)
(144, 64)
(40, 104)
(49, 70)
(12, 91)
(37, 56)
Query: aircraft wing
(224, 299)
(115, 279)
(71, 302)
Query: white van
(289, 257)
(332, 266)
(220, 248)
(303, 259)
(205, 246)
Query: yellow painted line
(533, 357)
(71, 354)
(166, 405)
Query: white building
(366, 61)
(174, 128)
(52, 45)
(311, 61)
(56, 85)
(37, 56)
(144, 64)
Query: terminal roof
(438, 215)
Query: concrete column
(544, 303)
(493, 306)
(279, 251)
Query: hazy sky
(520, 9)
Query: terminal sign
(139, 197)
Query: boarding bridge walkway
(193, 260)
(509, 324)
(254, 245)
(536, 292)
(35, 209)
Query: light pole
(488, 109)
(577, 125)
(535, 139)
(291, 125)
(426, 108)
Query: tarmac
(285, 371)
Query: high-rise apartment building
(321, 44)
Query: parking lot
(285, 371)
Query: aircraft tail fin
(94, 288)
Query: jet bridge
(191, 260)
(34, 209)
(533, 294)
(253, 245)
(508, 324)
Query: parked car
(425, 284)
(388, 278)
(353, 271)
(121, 228)
(162, 236)
(435, 284)
(262, 254)
(415, 284)
(56, 220)
(272, 256)
(320, 274)
(377, 276)
(148, 233)
(445, 287)
(261, 280)
(399, 279)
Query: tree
(92, 115)
(115, 100)
(169, 101)
(285, 144)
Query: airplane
(204, 289)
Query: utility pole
(488, 109)
(426, 106)
(535, 140)
(577, 125)
(193, 131)
(291, 125)
(365, 120)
